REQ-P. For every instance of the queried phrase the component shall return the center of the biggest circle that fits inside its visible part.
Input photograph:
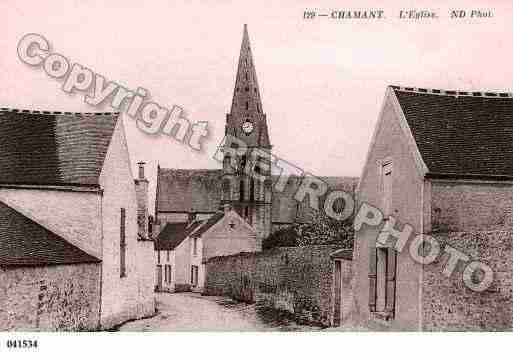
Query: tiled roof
(461, 133)
(173, 234)
(53, 148)
(24, 242)
(188, 190)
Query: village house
(442, 162)
(72, 254)
(182, 250)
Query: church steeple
(251, 198)
(246, 83)
(246, 109)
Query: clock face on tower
(247, 127)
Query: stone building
(69, 176)
(183, 249)
(187, 194)
(441, 162)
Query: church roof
(246, 83)
(188, 190)
(24, 242)
(457, 133)
(53, 148)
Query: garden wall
(294, 279)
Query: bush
(283, 237)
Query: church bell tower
(250, 197)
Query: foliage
(321, 230)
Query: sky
(322, 81)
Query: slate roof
(173, 234)
(188, 190)
(208, 224)
(184, 190)
(53, 148)
(24, 242)
(461, 134)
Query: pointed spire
(246, 95)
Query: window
(247, 105)
(195, 246)
(228, 163)
(167, 273)
(122, 244)
(167, 255)
(242, 164)
(252, 190)
(381, 279)
(226, 189)
(158, 257)
(241, 190)
(382, 285)
(194, 275)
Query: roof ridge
(46, 112)
(190, 169)
(455, 93)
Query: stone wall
(50, 298)
(465, 207)
(294, 279)
(447, 304)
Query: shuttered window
(383, 260)
(382, 281)
(194, 275)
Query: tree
(322, 230)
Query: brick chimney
(141, 190)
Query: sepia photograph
(172, 171)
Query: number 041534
(21, 344)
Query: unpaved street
(190, 311)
